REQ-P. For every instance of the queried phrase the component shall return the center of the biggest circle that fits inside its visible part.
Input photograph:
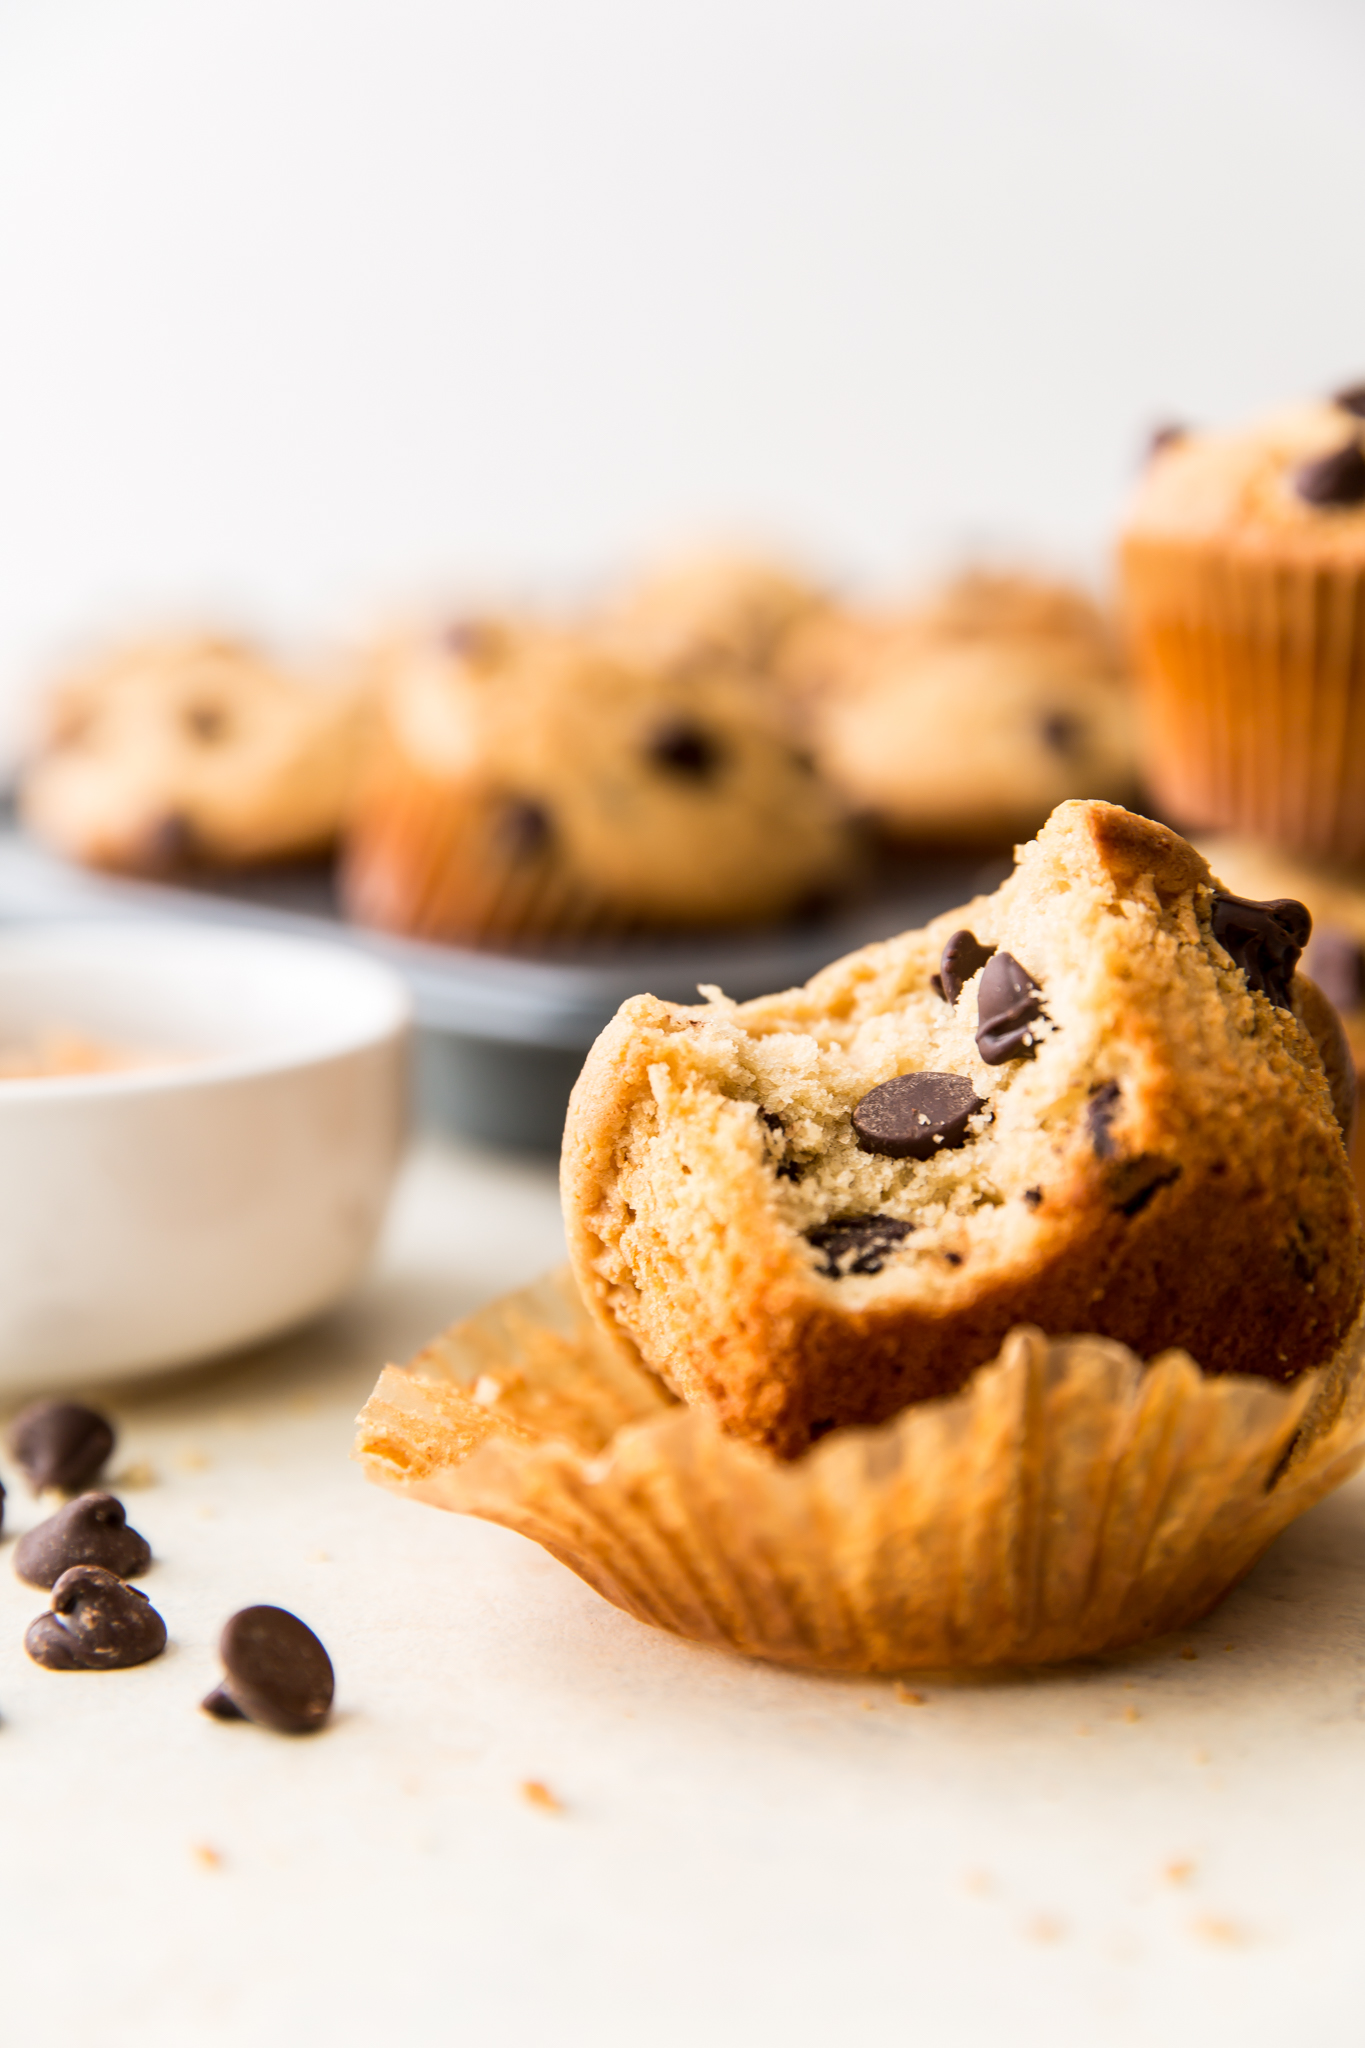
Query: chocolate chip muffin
(1091, 1101)
(1243, 561)
(535, 783)
(971, 716)
(738, 606)
(192, 751)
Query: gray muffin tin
(501, 1036)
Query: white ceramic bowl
(155, 1216)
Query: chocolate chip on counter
(91, 1529)
(1336, 962)
(60, 1443)
(864, 1241)
(1352, 399)
(1008, 1001)
(686, 750)
(96, 1623)
(524, 828)
(276, 1672)
(1333, 481)
(963, 956)
(916, 1115)
(1099, 1115)
(1264, 940)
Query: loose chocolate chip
(276, 1673)
(1333, 481)
(685, 750)
(524, 828)
(1336, 962)
(963, 956)
(60, 1443)
(91, 1529)
(1099, 1114)
(1008, 1002)
(864, 1241)
(96, 1623)
(1062, 732)
(1352, 399)
(1264, 940)
(916, 1115)
(1135, 1183)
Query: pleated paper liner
(1253, 672)
(1068, 1501)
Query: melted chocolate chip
(1336, 962)
(60, 1443)
(863, 1241)
(276, 1673)
(1264, 940)
(96, 1623)
(686, 750)
(1333, 481)
(1352, 399)
(524, 828)
(1099, 1115)
(1008, 1001)
(1137, 1180)
(963, 956)
(1062, 732)
(916, 1115)
(91, 1529)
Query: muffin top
(1291, 483)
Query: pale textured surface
(745, 1854)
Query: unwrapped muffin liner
(1253, 671)
(1067, 1501)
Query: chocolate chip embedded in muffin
(96, 1623)
(1009, 1002)
(963, 956)
(1165, 436)
(1333, 481)
(1352, 400)
(1100, 1112)
(915, 1115)
(857, 1244)
(684, 749)
(524, 828)
(276, 1672)
(1264, 940)
(60, 1443)
(92, 1529)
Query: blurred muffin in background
(530, 783)
(707, 606)
(192, 751)
(1243, 560)
(968, 718)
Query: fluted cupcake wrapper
(1068, 1501)
(1253, 673)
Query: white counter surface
(1165, 1849)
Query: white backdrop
(306, 304)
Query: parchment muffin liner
(1067, 1501)
(1252, 668)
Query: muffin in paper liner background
(1243, 565)
(1069, 1500)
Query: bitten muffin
(1091, 1101)
(1243, 561)
(192, 751)
(532, 783)
(971, 717)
